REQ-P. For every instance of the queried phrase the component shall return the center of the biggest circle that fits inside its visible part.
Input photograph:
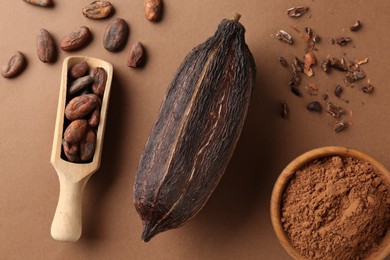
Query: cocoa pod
(79, 69)
(42, 3)
(71, 151)
(80, 84)
(98, 10)
(99, 76)
(81, 106)
(88, 145)
(153, 10)
(115, 36)
(76, 39)
(94, 119)
(46, 48)
(136, 56)
(75, 131)
(14, 65)
(197, 129)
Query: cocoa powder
(336, 208)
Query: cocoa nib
(338, 90)
(334, 110)
(282, 61)
(285, 37)
(356, 26)
(284, 110)
(325, 65)
(353, 76)
(368, 89)
(343, 41)
(339, 64)
(310, 60)
(294, 83)
(340, 126)
(297, 11)
(314, 106)
(297, 65)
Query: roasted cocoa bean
(115, 36)
(197, 129)
(136, 56)
(79, 69)
(87, 146)
(98, 10)
(14, 65)
(71, 151)
(76, 39)
(75, 131)
(42, 3)
(46, 48)
(81, 106)
(94, 119)
(153, 10)
(80, 84)
(99, 76)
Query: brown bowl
(289, 171)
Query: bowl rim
(289, 171)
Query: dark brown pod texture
(197, 129)
(14, 65)
(76, 40)
(115, 36)
(42, 3)
(46, 47)
(153, 10)
(136, 56)
(98, 10)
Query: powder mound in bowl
(336, 208)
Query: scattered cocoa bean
(75, 131)
(153, 10)
(14, 65)
(314, 106)
(98, 10)
(136, 56)
(99, 76)
(88, 145)
(80, 84)
(116, 34)
(79, 69)
(46, 47)
(80, 106)
(76, 39)
(42, 3)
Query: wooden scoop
(73, 177)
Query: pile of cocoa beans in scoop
(85, 89)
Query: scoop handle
(67, 222)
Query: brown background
(235, 223)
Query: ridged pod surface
(197, 129)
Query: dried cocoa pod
(95, 117)
(75, 131)
(46, 47)
(42, 3)
(115, 36)
(79, 69)
(98, 10)
(80, 84)
(87, 146)
(136, 56)
(197, 129)
(76, 40)
(99, 76)
(81, 106)
(71, 151)
(153, 10)
(14, 65)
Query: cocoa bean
(80, 84)
(99, 76)
(196, 131)
(87, 146)
(46, 48)
(76, 39)
(136, 56)
(94, 119)
(75, 131)
(79, 69)
(71, 151)
(98, 10)
(81, 106)
(115, 36)
(42, 3)
(153, 10)
(14, 65)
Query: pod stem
(236, 17)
